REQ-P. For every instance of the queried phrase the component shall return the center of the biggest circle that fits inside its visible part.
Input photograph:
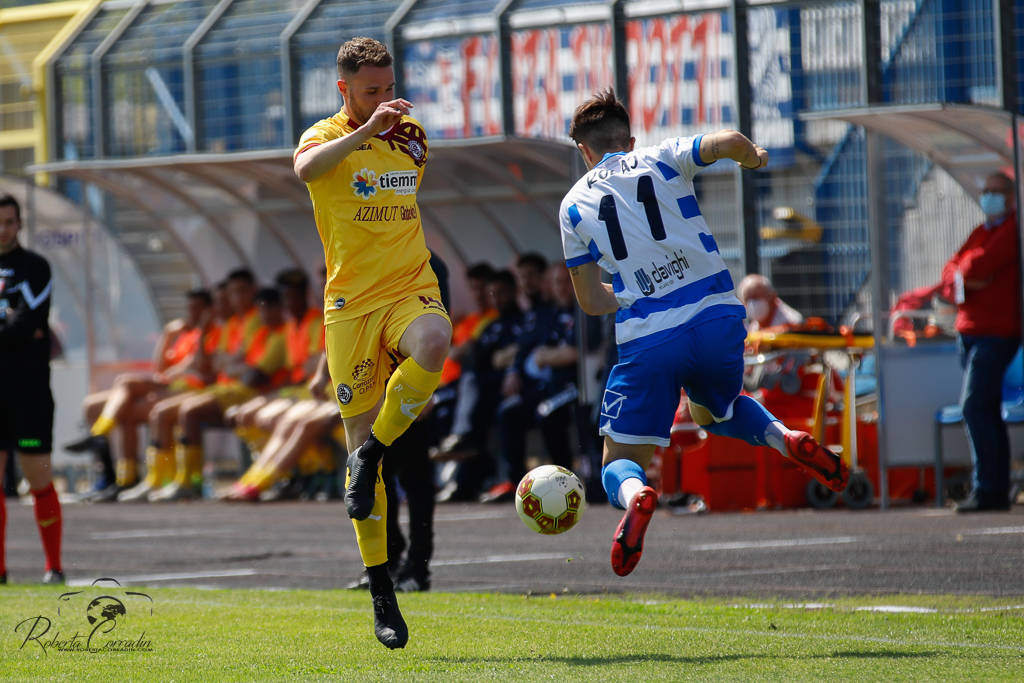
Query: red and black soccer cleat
(628, 543)
(824, 465)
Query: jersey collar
(609, 155)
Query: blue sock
(616, 472)
(749, 422)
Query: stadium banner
(553, 70)
(455, 84)
(681, 79)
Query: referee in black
(26, 403)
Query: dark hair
(9, 200)
(242, 274)
(480, 271)
(201, 294)
(601, 123)
(359, 52)
(504, 277)
(268, 295)
(1006, 180)
(292, 278)
(532, 258)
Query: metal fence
(203, 75)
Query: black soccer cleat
(388, 624)
(362, 478)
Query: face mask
(757, 309)
(993, 204)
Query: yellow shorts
(363, 352)
(231, 394)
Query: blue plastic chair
(1012, 410)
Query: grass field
(244, 635)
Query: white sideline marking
(155, 532)
(788, 605)
(469, 516)
(173, 576)
(896, 609)
(778, 543)
(496, 559)
(994, 531)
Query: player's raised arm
(732, 144)
(317, 159)
(595, 297)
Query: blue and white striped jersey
(636, 215)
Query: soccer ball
(550, 499)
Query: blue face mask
(993, 204)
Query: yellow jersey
(366, 214)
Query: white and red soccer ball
(550, 499)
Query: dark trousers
(984, 360)
(514, 420)
(408, 462)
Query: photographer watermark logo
(92, 620)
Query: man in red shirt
(985, 278)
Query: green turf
(244, 635)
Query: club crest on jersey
(409, 138)
(344, 394)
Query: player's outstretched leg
(626, 485)
(824, 465)
(751, 422)
(363, 464)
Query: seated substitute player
(262, 369)
(304, 332)
(677, 321)
(234, 339)
(122, 407)
(387, 331)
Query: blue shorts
(642, 393)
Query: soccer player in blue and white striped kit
(678, 322)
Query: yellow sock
(325, 458)
(102, 426)
(152, 475)
(127, 472)
(166, 465)
(407, 392)
(309, 461)
(372, 532)
(249, 475)
(264, 478)
(190, 465)
(160, 466)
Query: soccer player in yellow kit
(387, 333)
